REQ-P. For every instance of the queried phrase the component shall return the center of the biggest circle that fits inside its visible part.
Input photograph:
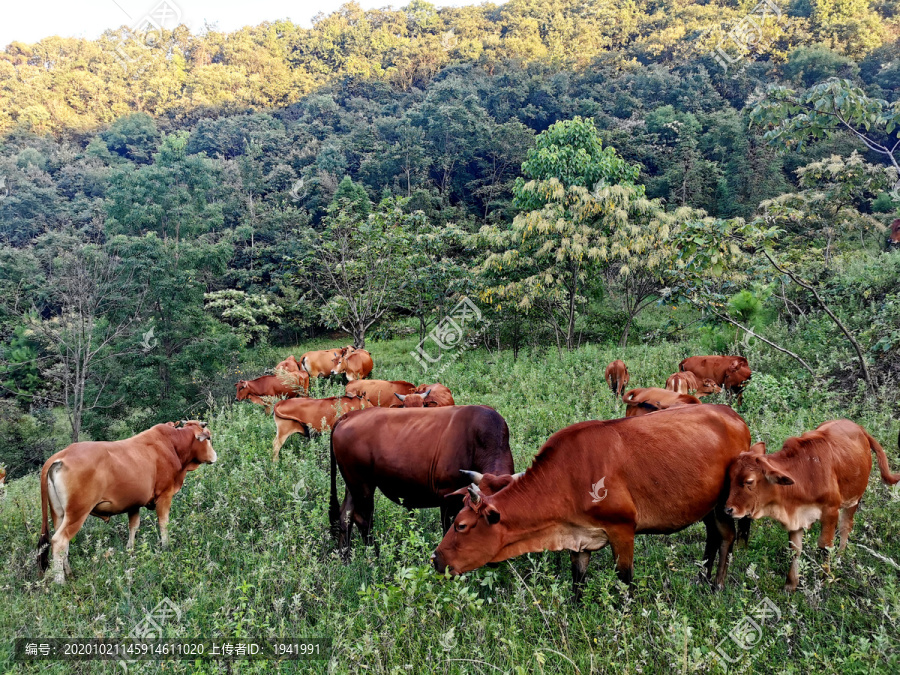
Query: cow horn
(517, 476)
(473, 476)
(474, 494)
(425, 395)
(402, 397)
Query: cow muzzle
(439, 564)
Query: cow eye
(460, 527)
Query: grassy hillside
(251, 554)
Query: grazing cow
(356, 364)
(650, 399)
(414, 456)
(602, 482)
(688, 383)
(617, 376)
(729, 372)
(305, 415)
(381, 392)
(439, 395)
(320, 362)
(820, 475)
(270, 385)
(290, 365)
(893, 240)
(105, 479)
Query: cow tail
(886, 475)
(334, 508)
(43, 547)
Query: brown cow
(356, 364)
(415, 457)
(290, 365)
(415, 400)
(602, 482)
(820, 475)
(2, 475)
(617, 376)
(105, 479)
(729, 372)
(304, 415)
(320, 362)
(650, 399)
(270, 386)
(380, 392)
(688, 383)
(439, 395)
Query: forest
(648, 180)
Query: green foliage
(247, 314)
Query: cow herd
(669, 463)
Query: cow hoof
(790, 588)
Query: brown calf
(271, 386)
(617, 376)
(689, 383)
(356, 364)
(820, 475)
(304, 415)
(380, 393)
(729, 372)
(105, 479)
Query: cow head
(708, 386)
(476, 537)
(754, 482)
(414, 400)
(337, 363)
(200, 450)
(737, 375)
(243, 390)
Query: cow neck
(180, 440)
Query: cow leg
(449, 510)
(793, 577)
(163, 504)
(345, 525)
(580, 561)
(363, 515)
(826, 536)
(68, 528)
(846, 524)
(725, 525)
(622, 542)
(713, 541)
(134, 521)
(743, 532)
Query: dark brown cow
(688, 383)
(729, 372)
(380, 392)
(650, 399)
(820, 475)
(304, 415)
(320, 362)
(356, 364)
(602, 482)
(439, 395)
(270, 386)
(617, 376)
(105, 479)
(414, 456)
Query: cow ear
(757, 449)
(462, 492)
(774, 475)
(203, 436)
(491, 514)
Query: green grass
(251, 554)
